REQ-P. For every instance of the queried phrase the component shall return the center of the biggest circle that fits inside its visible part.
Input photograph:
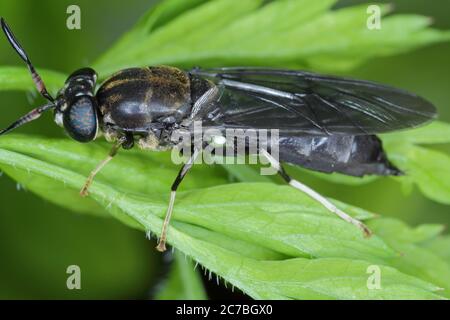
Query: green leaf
(432, 133)
(144, 172)
(230, 228)
(19, 78)
(219, 33)
(427, 168)
(400, 231)
(439, 246)
(329, 279)
(155, 18)
(191, 27)
(414, 258)
(245, 173)
(246, 249)
(335, 177)
(349, 42)
(183, 283)
(430, 170)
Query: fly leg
(111, 154)
(184, 170)
(316, 196)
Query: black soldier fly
(325, 123)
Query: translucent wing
(300, 102)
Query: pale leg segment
(316, 196)
(184, 170)
(104, 162)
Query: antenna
(30, 116)
(19, 49)
(35, 113)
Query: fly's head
(76, 108)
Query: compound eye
(80, 119)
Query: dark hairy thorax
(134, 98)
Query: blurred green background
(38, 240)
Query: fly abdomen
(351, 155)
